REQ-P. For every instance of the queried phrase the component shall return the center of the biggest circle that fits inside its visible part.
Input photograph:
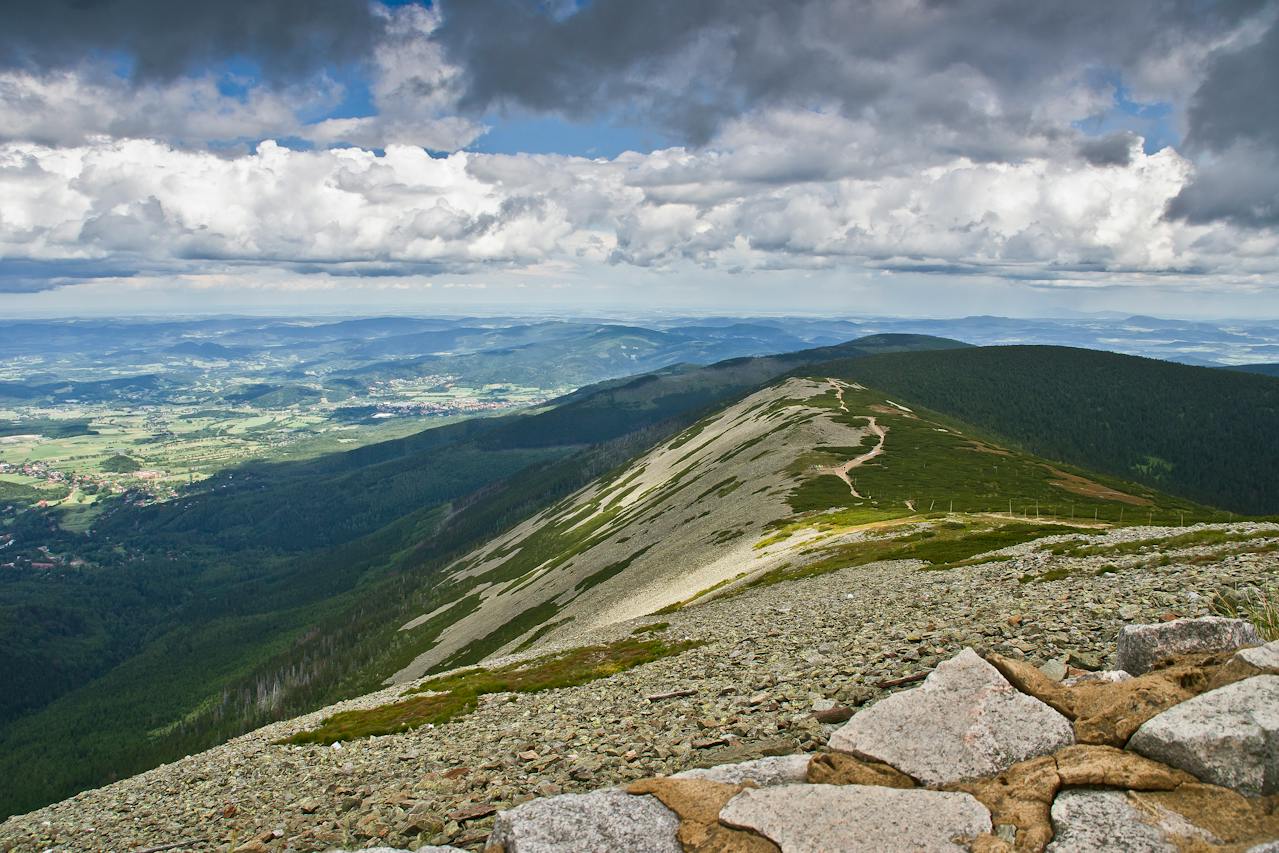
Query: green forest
(1202, 433)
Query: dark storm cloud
(165, 38)
(1234, 138)
(689, 66)
(1113, 150)
(28, 276)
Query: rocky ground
(775, 660)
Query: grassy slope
(1203, 433)
(924, 454)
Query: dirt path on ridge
(841, 471)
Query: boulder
(1258, 660)
(963, 722)
(853, 818)
(773, 770)
(598, 822)
(1228, 736)
(1085, 819)
(1142, 646)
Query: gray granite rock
(963, 722)
(599, 822)
(1086, 820)
(1142, 646)
(774, 770)
(1264, 658)
(1264, 847)
(1228, 736)
(854, 818)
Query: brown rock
(838, 768)
(697, 803)
(253, 846)
(987, 843)
(472, 812)
(837, 714)
(1031, 681)
(1088, 764)
(1022, 795)
(1108, 714)
(456, 772)
(1226, 814)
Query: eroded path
(880, 432)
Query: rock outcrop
(974, 759)
(976, 724)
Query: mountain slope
(1203, 433)
(810, 471)
(271, 589)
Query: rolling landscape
(512, 426)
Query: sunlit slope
(809, 472)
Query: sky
(905, 157)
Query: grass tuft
(442, 699)
(1260, 607)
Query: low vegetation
(442, 699)
(943, 545)
(1260, 607)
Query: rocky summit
(888, 705)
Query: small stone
(978, 724)
(855, 818)
(472, 812)
(1054, 670)
(309, 806)
(1142, 646)
(1228, 736)
(1085, 660)
(834, 714)
(599, 822)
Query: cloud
(1234, 136)
(985, 78)
(161, 40)
(412, 92)
(138, 204)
